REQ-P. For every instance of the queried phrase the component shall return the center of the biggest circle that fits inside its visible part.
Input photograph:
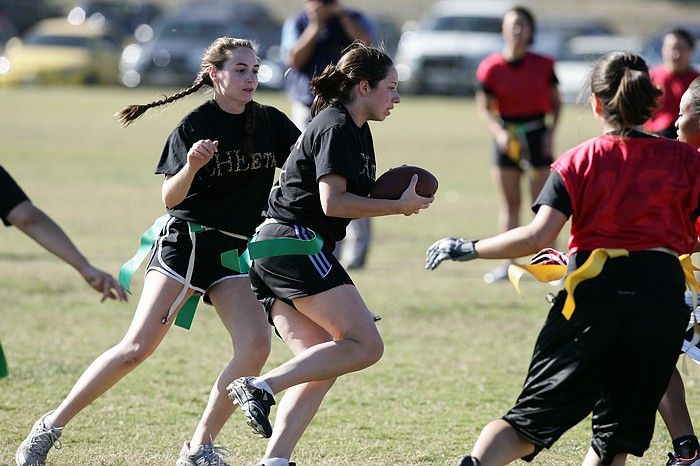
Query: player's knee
(254, 351)
(133, 354)
(372, 350)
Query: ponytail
(331, 87)
(621, 81)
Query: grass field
(456, 349)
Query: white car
(573, 70)
(441, 53)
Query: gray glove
(456, 249)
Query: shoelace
(42, 441)
(214, 454)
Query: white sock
(261, 384)
(275, 462)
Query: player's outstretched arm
(518, 242)
(41, 228)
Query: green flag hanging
(3, 364)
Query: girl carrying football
(310, 299)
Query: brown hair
(621, 81)
(358, 63)
(214, 56)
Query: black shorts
(294, 276)
(530, 150)
(171, 255)
(601, 361)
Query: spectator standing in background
(518, 89)
(311, 39)
(673, 77)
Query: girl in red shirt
(673, 77)
(518, 91)
(632, 198)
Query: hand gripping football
(394, 182)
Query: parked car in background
(554, 33)
(55, 51)
(574, 67)
(24, 13)
(7, 30)
(249, 15)
(388, 33)
(441, 53)
(130, 14)
(173, 57)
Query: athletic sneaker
(497, 274)
(36, 446)
(469, 461)
(206, 455)
(255, 403)
(677, 460)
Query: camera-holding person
(311, 39)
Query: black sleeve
(336, 151)
(286, 136)
(174, 155)
(483, 87)
(11, 195)
(554, 194)
(554, 80)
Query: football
(394, 182)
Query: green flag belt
(3, 364)
(256, 249)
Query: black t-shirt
(230, 192)
(10, 195)
(331, 144)
(554, 194)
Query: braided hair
(214, 56)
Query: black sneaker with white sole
(255, 403)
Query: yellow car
(55, 51)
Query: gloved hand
(456, 249)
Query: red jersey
(673, 87)
(634, 193)
(522, 88)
